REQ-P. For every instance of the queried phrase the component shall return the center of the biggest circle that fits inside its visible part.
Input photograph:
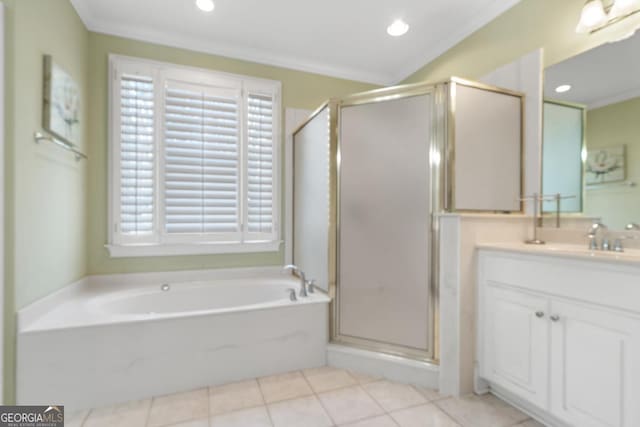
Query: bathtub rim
(28, 316)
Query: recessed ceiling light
(563, 88)
(205, 5)
(397, 28)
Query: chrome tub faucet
(303, 280)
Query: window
(193, 161)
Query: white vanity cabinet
(560, 336)
(594, 361)
(517, 342)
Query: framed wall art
(61, 103)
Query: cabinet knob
(539, 313)
(554, 318)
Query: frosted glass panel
(311, 199)
(562, 155)
(488, 142)
(384, 222)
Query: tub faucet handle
(311, 285)
(292, 295)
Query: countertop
(629, 256)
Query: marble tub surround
(319, 397)
(239, 326)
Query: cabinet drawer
(616, 286)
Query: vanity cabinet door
(595, 366)
(516, 342)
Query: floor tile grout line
(410, 407)
(209, 406)
(331, 389)
(261, 405)
(86, 417)
(438, 402)
(317, 396)
(264, 401)
(356, 384)
(440, 397)
(446, 414)
(425, 402)
(373, 398)
(146, 421)
(266, 408)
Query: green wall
(299, 90)
(56, 216)
(610, 126)
(529, 25)
(46, 189)
(56, 209)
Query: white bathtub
(106, 340)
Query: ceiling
(605, 75)
(340, 38)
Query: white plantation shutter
(136, 156)
(260, 164)
(201, 177)
(193, 161)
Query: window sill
(154, 250)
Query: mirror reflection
(591, 131)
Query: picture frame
(605, 165)
(61, 103)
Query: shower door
(384, 226)
(311, 210)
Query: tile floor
(320, 397)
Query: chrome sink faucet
(593, 236)
(632, 226)
(303, 280)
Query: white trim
(394, 368)
(159, 243)
(260, 56)
(633, 93)
(432, 50)
(152, 250)
(2, 195)
(429, 52)
(293, 118)
(290, 116)
(540, 415)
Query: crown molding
(431, 50)
(84, 12)
(228, 50)
(633, 93)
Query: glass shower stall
(372, 174)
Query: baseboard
(391, 367)
(533, 411)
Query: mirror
(591, 131)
